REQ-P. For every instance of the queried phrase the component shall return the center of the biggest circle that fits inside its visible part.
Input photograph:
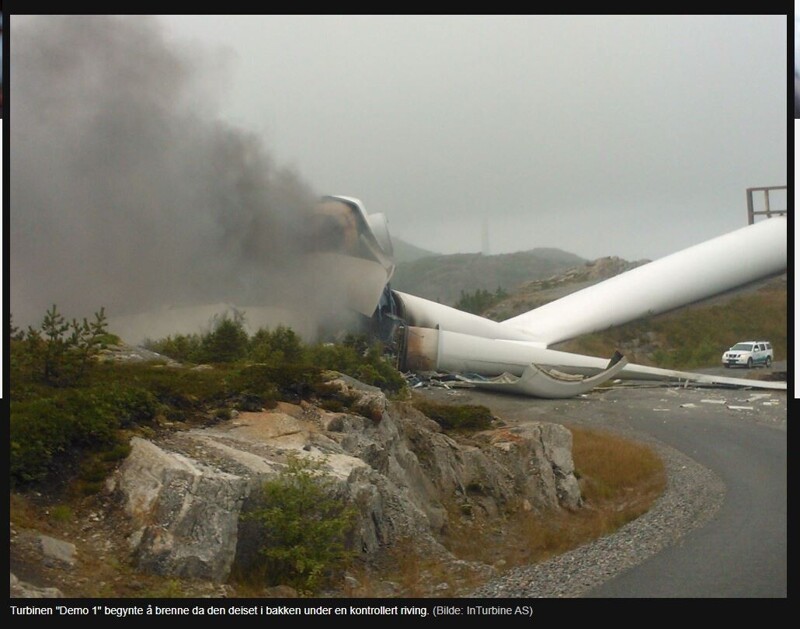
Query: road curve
(740, 551)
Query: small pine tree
(227, 343)
(62, 359)
(481, 300)
(304, 526)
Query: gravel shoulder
(693, 496)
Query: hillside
(442, 278)
(537, 292)
(690, 337)
(694, 336)
(406, 252)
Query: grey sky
(601, 135)
(171, 158)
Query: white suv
(749, 354)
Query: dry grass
(619, 480)
(406, 571)
(24, 513)
(611, 467)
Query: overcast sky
(600, 135)
(176, 148)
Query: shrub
(303, 526)
(361, 360)
(227, 342)
(456, 417)
(53, 427)
(38, 436)
(131, 404)
(48, 433)
(280, 345)
(181, 347)
(480, 301)
(268, 383)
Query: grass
(696, 336)
(616, 472)
(61, 513)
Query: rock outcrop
(185, 493)
(21, 589)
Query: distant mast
(485, 237)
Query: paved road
(738, 434)
(742, 552)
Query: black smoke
(126, 189)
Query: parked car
(749, 354)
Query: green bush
(132, 404)
(181, 347)
(456, 417)
(227, 343)
(268, 382)
(282, 345)
(284, 363)
(61, 513)
(360, 360)
(178, 393)
(48, 433)
(39, 435)
(304, 527)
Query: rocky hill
(406, 252)
(172, 510)
(443, 278)
(537, 292)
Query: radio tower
(485, 238)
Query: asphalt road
(742, 552)
(738, 434)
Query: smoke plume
(126, 191)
